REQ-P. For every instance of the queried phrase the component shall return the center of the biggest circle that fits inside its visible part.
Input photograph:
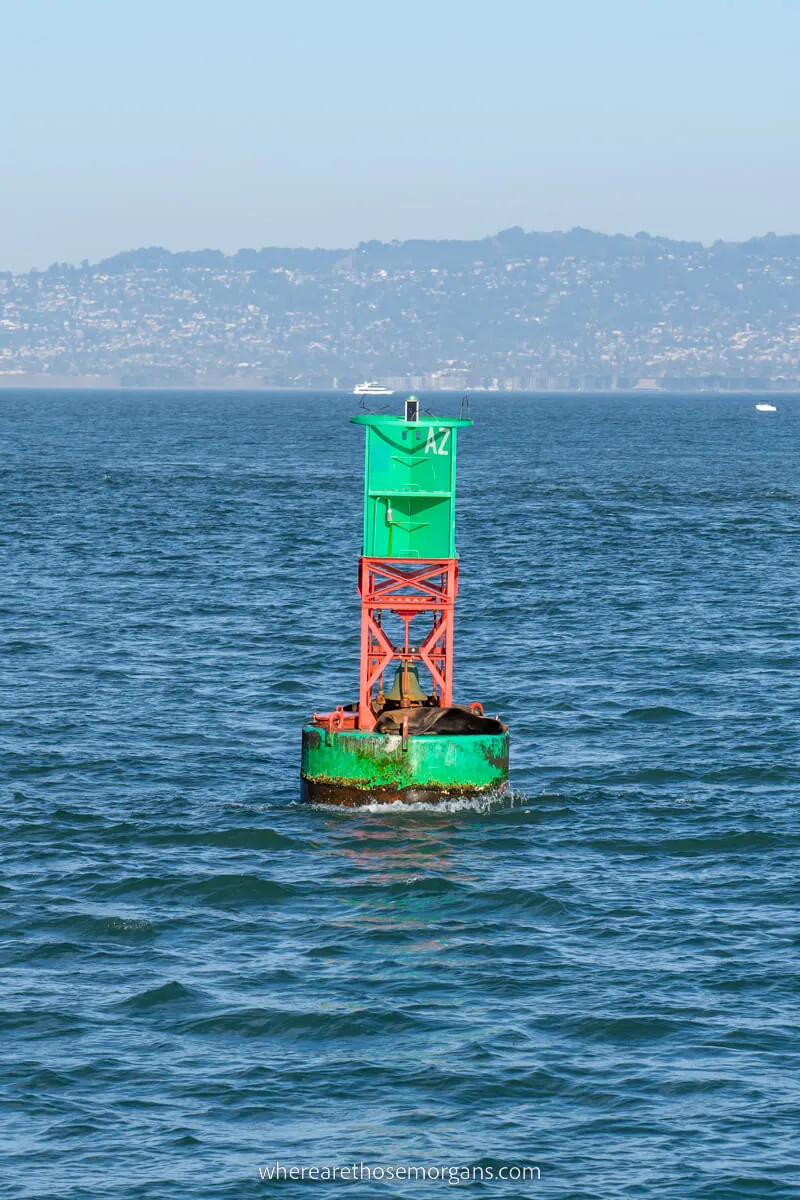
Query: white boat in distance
(766, 407)
(372, 389)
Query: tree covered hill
(517, 309)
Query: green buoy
(411, 742)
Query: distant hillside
(517, 309)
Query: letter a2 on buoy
(410, 742)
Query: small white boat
(764, 407)
(372, 389)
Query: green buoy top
(410, 483)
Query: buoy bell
(406, 689)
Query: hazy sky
(228, 123)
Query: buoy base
(314, 792)
(352, 767)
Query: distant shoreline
(95, 383)
(546, 312)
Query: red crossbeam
(408, 588)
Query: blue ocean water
(597, 976)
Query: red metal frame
(407, 587)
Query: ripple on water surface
(596, 974)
